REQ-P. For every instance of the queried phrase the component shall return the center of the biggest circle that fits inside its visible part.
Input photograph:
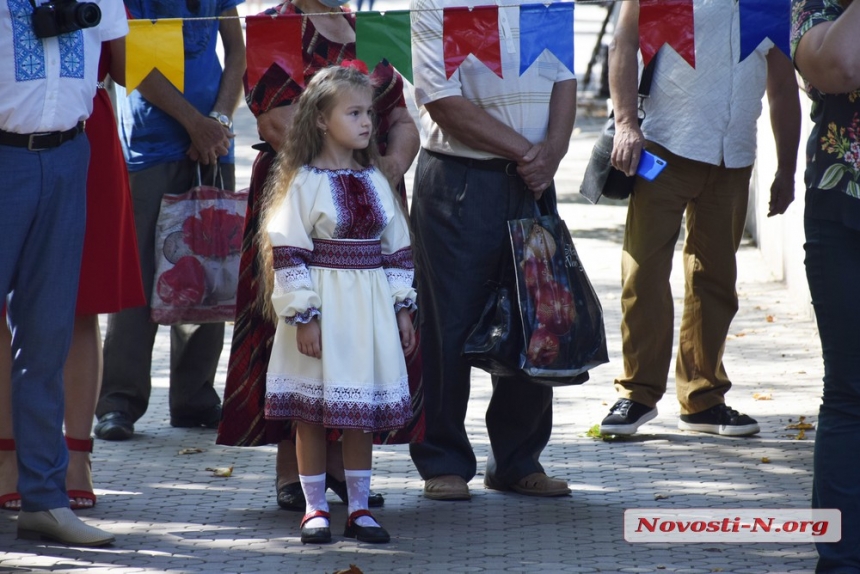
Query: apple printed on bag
(197, 232)
(184, 285)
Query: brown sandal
(80, 445)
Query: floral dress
(833, 149)
(342, 253)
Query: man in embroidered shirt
(490, 146)
(165, 134)
(702, 121)
(47, 85)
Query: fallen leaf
(593, 432)
(765, 460)
(740, 335)
(800, 425)
(353, 569)
(193, 450)
(660, 496)
(224, 471)
(770, 319)
(763, 396)
(800, 435)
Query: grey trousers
(459, 218)
(194, 349)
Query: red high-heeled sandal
(80, 445)
(8, 445)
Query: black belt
(506, 166)
(40, 141)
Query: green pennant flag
(385, 35)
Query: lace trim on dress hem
(405, 304)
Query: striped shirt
(520, 102)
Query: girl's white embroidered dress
(342, 253)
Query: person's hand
(390, 169)
(537, 168)
(781, 192)
(209, 140)
(407, 331)
(308, 338)
(627, 148)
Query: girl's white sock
(358, 489)
(314, 489)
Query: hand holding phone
(650, 165)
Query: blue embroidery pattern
(29, 52)
(72, 55)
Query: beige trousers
(714, 200)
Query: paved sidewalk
(170, 514)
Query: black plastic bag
(543, 321)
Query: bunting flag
(667, 22)
(385, 35)
(760, 19)
(154, 44)
(471, 31)
(546, 28)
(274, 41)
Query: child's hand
(407, 332)
(308, 339)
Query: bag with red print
(543, 322)
(198, 244)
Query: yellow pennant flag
(150, 45)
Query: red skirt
(110, 269)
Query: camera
(63, 16)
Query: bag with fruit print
(198, 242)
(543, 321)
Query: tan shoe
(535, 484)
(60, 525)
(446, 487)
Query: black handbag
(600, 178)
(512, 338)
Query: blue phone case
(650, 166)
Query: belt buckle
(30, 145)
(508, 167)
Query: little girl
(335, 244)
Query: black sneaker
(626, 416)
(720, 420)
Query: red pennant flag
(474, 31)
(273, 41)
(667, 22)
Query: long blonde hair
(304, 142)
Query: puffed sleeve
(397, 251)
(294, 297)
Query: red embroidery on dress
(347, 254)
(401, 259)
(286, 256)
(360, 214)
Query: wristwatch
(222, 119)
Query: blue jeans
(42, 216)
(833, 271)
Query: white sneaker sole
(722, 430)
(632, 427)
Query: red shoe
(6, 500)
(80, 445)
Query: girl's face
(349, 123)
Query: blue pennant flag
(762, 19)
(546, 28)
